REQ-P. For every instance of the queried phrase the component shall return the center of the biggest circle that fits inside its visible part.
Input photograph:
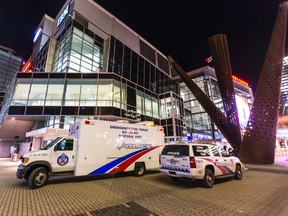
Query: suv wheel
(238, 172)
(208, 180)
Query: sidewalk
(263, 191)
(280, 165)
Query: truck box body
(105, 147)
(95, 147)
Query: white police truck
(95, 147)
(203, 162)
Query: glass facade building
(88, 64)
(198, 123)
(10, 64)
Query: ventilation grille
(147, 51)
(163, 63)
(81, 20)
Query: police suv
(203, 162)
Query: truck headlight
(25, 159)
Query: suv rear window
(177, 150)
(201, 150)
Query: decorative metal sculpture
(212, 110)
(259, 139)
(258, 144)
(219, 50)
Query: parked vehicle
(203, 162)
(95, 147)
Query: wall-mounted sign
(240, 80)
(63, 15)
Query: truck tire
(139, 169)
(238, 172)
(38, 178)
(208, 180)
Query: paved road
(263, 191)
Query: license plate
(174, 162)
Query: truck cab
(57, 157)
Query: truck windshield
(51, 143)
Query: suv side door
(223, 164)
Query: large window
(146, 104)
(21, 92)
(118, 95)
(155, 107)
(105, 93)
(132, 66)
(72, 94)
(88, 93)
(37, 92)
(54, 93)
(79, 52)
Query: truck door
(63, 156)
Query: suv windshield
(177, 150)
(51, 143)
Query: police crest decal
(62, 160)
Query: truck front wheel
(38, 178)
(139, 169)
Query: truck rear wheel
(208, 180)
(38, 178)
(139, 169)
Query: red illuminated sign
(240, 80)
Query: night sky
(180, 30)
